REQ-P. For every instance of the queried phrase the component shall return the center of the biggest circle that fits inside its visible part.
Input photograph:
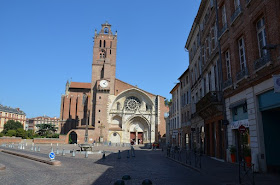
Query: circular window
(115, 134)
(132, 103)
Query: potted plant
(247, 155)
(232, 150)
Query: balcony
(210, 104)
(236, 13)
(242, 74)
(227, 83)
(258, 64)
(223, 30)
(248, 2)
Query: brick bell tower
(102, 79)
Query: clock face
(104, 83)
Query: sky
(45, 43)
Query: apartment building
(185, 108)
(9, 113)
(32, 122)
(249, 38)
(175, 118)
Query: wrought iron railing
(262, 61)
(222, 31)
(227, 83)
(209, 98)
(246, 173)
(236, 13)
(248, 1)
(241, 74)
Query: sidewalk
(226, 173)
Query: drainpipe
(220, 73)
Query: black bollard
(119, 154)
(147, 182)
(126, 177)
(127, 154)
(104, 157)
(119, 182)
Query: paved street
(94, 170)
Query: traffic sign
(51, 155)
(242, 129)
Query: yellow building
(8, 113)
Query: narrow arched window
(100, 55)
(110, 52)
(104, 44)
(100, 43)
(118, 106)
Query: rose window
(132, 103)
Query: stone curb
(2, 167)
(187, 165)
(32, 157)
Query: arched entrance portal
(138, 130)
(73, 137)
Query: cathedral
(114, 111)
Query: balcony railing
(241, 74)
(223, 30)
(211, 98)
(236, 13)
(248, 1)
(262, 61)
(227, 83)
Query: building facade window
(242, 58)
(236, 4)
(228, 67)
(224, 15)
(261, 36)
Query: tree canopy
(12, 125)
(45, 129)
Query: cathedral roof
(132, 86)
(80, 85)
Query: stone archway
(138, 131)
(73, 137)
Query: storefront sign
(276, 81)
(236, 124)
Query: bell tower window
(104, 45)
(100, 43)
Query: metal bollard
(86, 154)
(63, 152)
(104, 156)
(119, 154)
(31, 148)
(132, 152)
(127, 154)
(57, 151)
(73, 153)
(51, 149)
(23, 147)
(35, 149)
(38, 149)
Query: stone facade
(8, 113)
(115, 111)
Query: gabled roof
(132, 86)
(174, 88)
(79, 85)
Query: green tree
(12, 125)
(167, 102)
(11, 133)
(20, 132)
(46, 129)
